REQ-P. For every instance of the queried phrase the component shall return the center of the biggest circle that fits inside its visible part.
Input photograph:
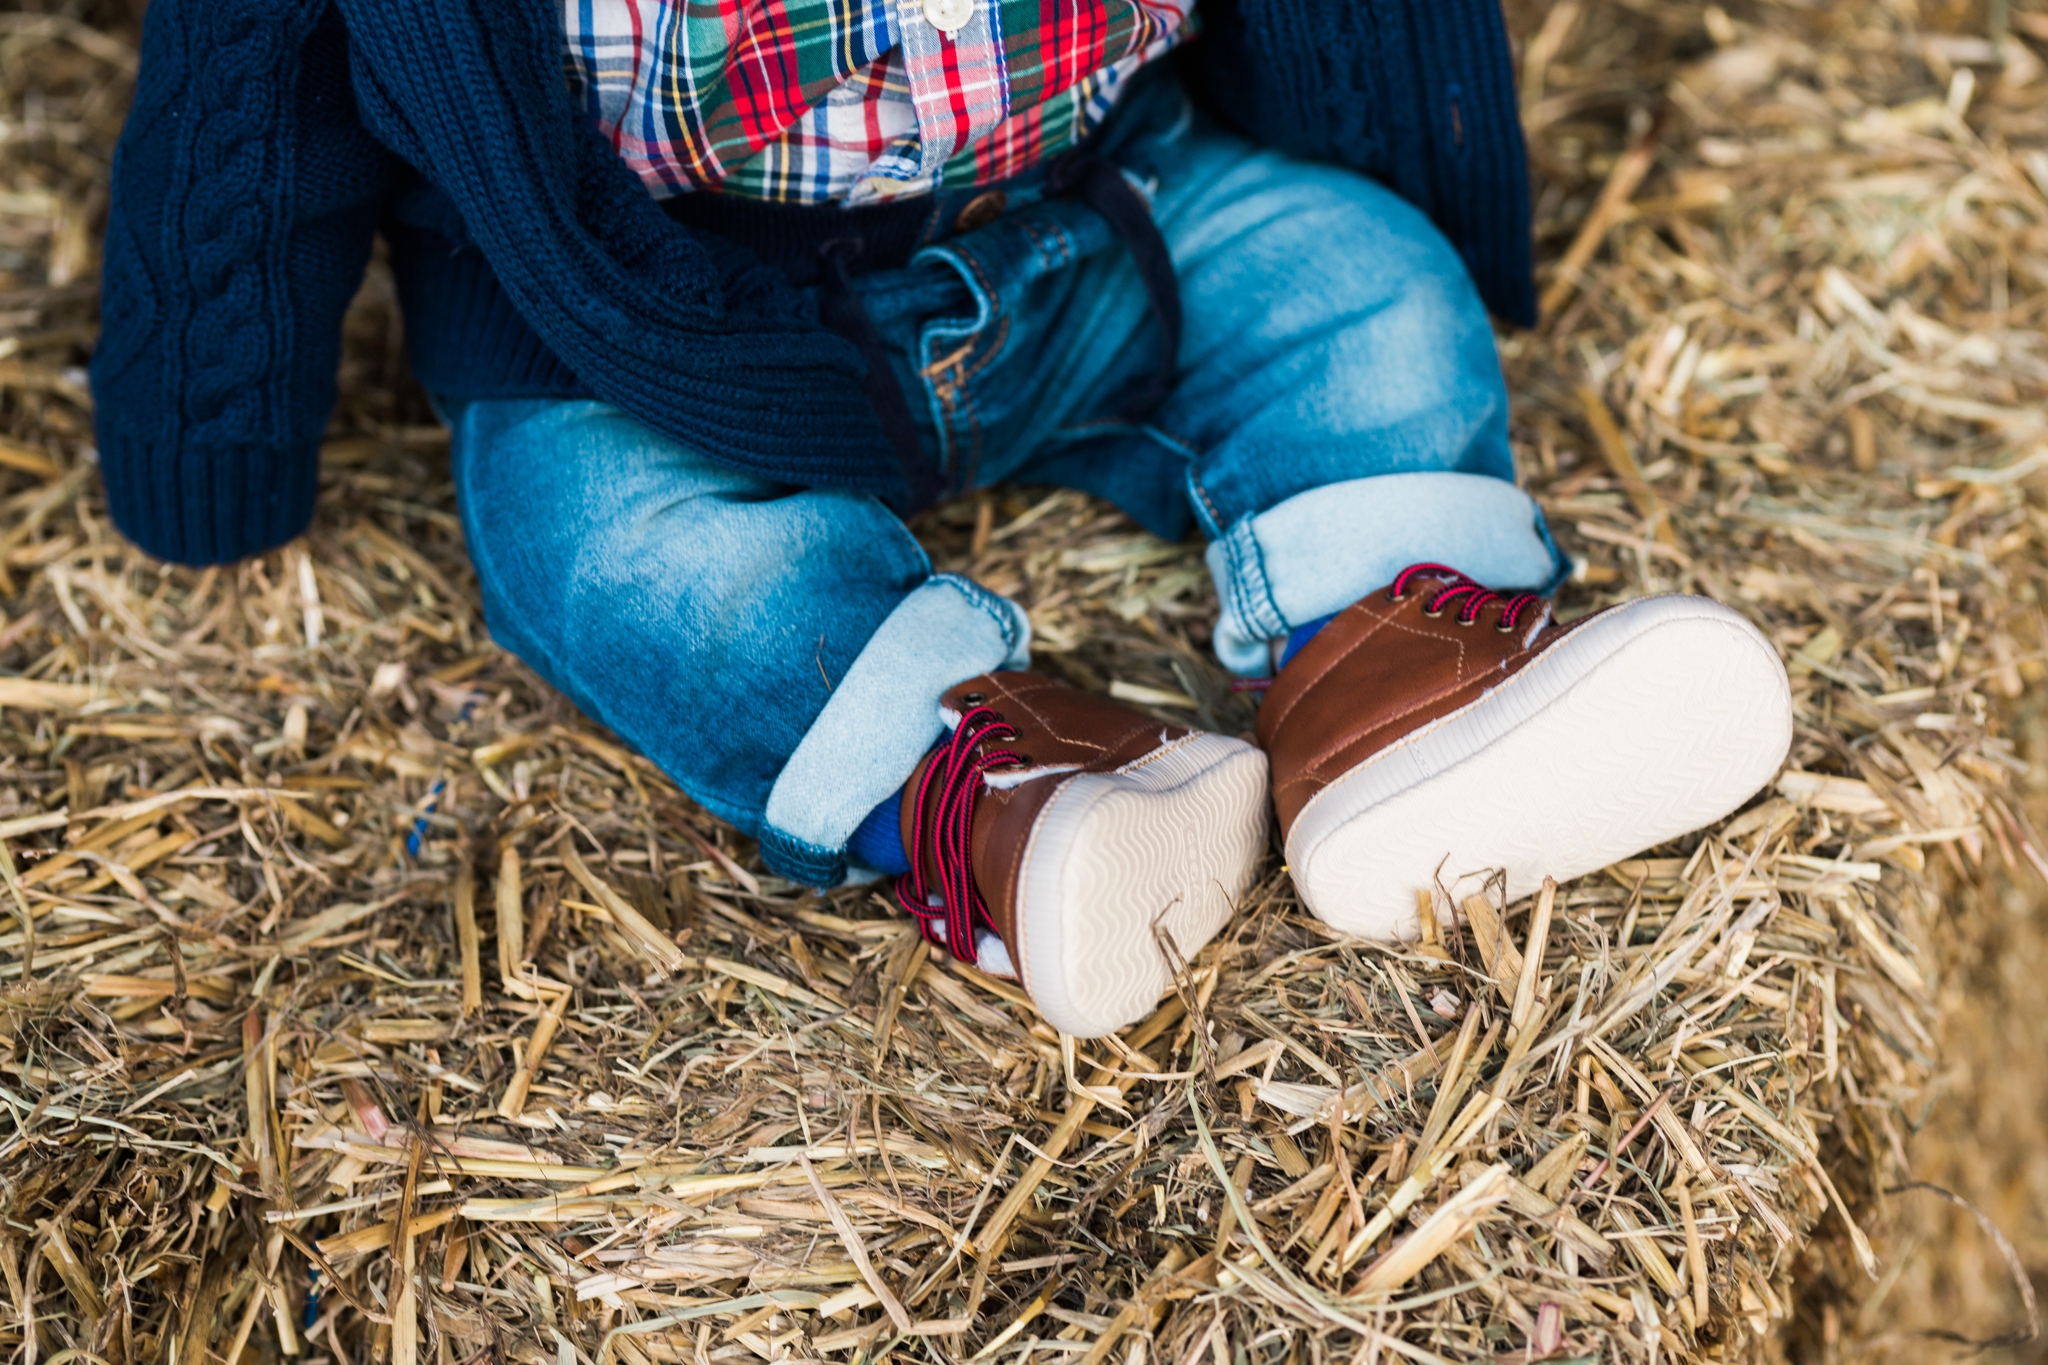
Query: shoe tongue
(994, 956)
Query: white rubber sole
(1167, 843)
(1650, 722)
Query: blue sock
(1300, 636)
(878, 843)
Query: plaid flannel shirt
(815, 100)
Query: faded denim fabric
(713, 620)
(1338, 413)
(1305, 558)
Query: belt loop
(1102, 186)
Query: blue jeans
(1338, 414)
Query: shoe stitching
(1051, 731)
(1048, 728)
(1313, 766)
(1157, 752)
(1416, 734)
(1308, 684)
(1353, 647)
(1380, 620)
(1311, 771)
(1536, 656)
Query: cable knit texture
(691, 335)
(247, 197)
(272, 139)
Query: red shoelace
(946, 828)
(1457, 587)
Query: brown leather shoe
(1056, 830)
(1437, 730)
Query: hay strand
(266, 1096)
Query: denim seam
(924, 556)
(935, 405)
(1030, 230)
(1174, 439)
(961, 407)
(932, 368)
(968, 473)
(800, 860)
(992, 349)
(949, 444)
(1205, 510)
(957, 260)
(981, 352)
(993, 310)
(955, 361)
(986, 602)
(943, 407)
(1058, 258)
(1160, 436)
(1251, 591)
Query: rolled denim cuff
(882, 717)
(1320, 551)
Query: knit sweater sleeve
(245, 201)
(693, 337)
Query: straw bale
(360, 1000)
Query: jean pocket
(984, 364)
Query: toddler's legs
(780, 652)
(1344, 394)
(1347, 412)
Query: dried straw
(260, 820)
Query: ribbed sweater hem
(206, 506)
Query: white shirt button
(948, 16)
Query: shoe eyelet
(1026, 761)
(1468, 620)
(1433, 615)
(975, 698)
(1397, 597)
(1505, 629)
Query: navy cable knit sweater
(271, 140)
